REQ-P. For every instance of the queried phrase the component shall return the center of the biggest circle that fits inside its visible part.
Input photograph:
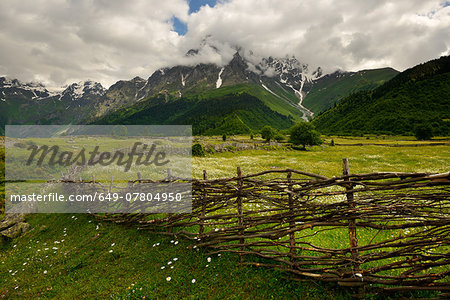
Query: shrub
(197, 150)
(423, 132)
(332, 143)
(224, 137)
(279, 137)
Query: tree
(268, 133)
(423, 132)
(305, 134)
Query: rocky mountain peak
(15, 88)
(82, 91)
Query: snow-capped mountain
(284, 78)
(288, 73)
(14, 88)
(83, 92)
(281, 83)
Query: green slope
(330, 89)
(229, 110)
(96, 260)
(20, 111)
(420, 95)
(284, 104)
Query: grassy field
(327, 160)
(74, 256)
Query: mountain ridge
(282, 84)
(419, 96)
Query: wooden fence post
(351, 222)
(352, 226)
(138, 190)
(170, 228)
(202, 227)
(239, 209)
(291, 221)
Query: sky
(58, 42)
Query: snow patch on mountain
(269, 90)
(219, 79)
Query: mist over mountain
(281, 85)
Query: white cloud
(59, 42)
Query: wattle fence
(377, 231)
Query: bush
(224, 137)
(279, 137)
(332, 143)
(423, 132)
(304, 134)
(268, 133)
(197, 150)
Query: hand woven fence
(381, 231)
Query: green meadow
(68, 256)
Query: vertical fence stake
(351, 221)
(111, 185)
(291, 221)
(202, 227)
(239, 209)
(169, 177)
(138, 190)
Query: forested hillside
(229, 114)
(419, 96)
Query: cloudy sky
(62, 41)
